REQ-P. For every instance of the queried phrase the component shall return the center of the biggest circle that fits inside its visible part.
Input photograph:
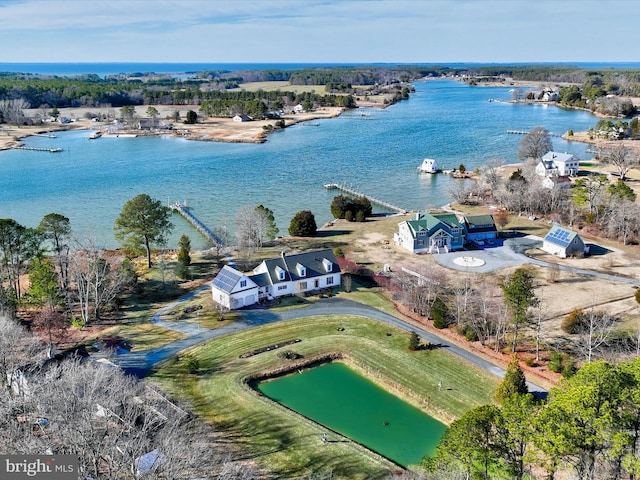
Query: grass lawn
(288, 445)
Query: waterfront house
(563, 242)
(427, 233)
(242, 118)
(479, 228)
(554, 164)
(276, 277)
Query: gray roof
(312, 261)
(560, 236)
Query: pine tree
(514, 382)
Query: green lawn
(288, 445)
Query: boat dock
(355, 193)
(46, 135)
(197, 224)
(524, 132)
(39, 149)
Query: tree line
(589, 425)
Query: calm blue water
(90, 180)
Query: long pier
(39, 149)
(524, 132)
(355, 193)
(197, 224)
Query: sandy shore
(210, 129)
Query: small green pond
(337, 397)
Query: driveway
(511, 254)
(141, 363)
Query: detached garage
(233, 289)
(563, 242)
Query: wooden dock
(39, 149)
(524, 132)
(356, 193)
(197, 224)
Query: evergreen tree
(514, 382)
(303, 224)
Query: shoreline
(213, 129)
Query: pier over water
(197, 224)
(356, 193)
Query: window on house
(282, 287)
(243, 283)
(303, 286)
(329, 280)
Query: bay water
(373, 150)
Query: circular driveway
(507, 253)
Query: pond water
(337, 397)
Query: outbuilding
(563, 242)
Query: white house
(554, 164)
(276, 277)
(563, 242)
(242, 118)
(429, 165)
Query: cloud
(314, 30)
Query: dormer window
(302, 270)
(280, 273)
(328, 266)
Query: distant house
(554, 164)
(149, 124)
(429, 165)
(276, 277)
(479, 227)
(428, 233)
(297, 108)
(563, 242)
(242, 118)
(552, 182)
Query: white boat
(429, 165)
(94, 135)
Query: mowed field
(288, 445)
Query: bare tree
(13, 110)
(97, 282)
(620, 157)
(18, 349)
(623, 219)
(252, 225)
(490, 174)
(594, 329)
(535, 144)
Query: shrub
(572, 322)
(414, 341)
(348, 216)
(338, 252)
(555, 362)
(530, 361)
(470, 334)
(192, 363)
(569, 369)
(514, 382)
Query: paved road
(511, 254)
(140, 363)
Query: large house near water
(428, 233)
(442, 233)
(276, 277)
(554, 164)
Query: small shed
(563, 242)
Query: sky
(318, 31)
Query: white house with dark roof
(563, 242)
(276, 277)
(554, 164)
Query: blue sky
(319, 31)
